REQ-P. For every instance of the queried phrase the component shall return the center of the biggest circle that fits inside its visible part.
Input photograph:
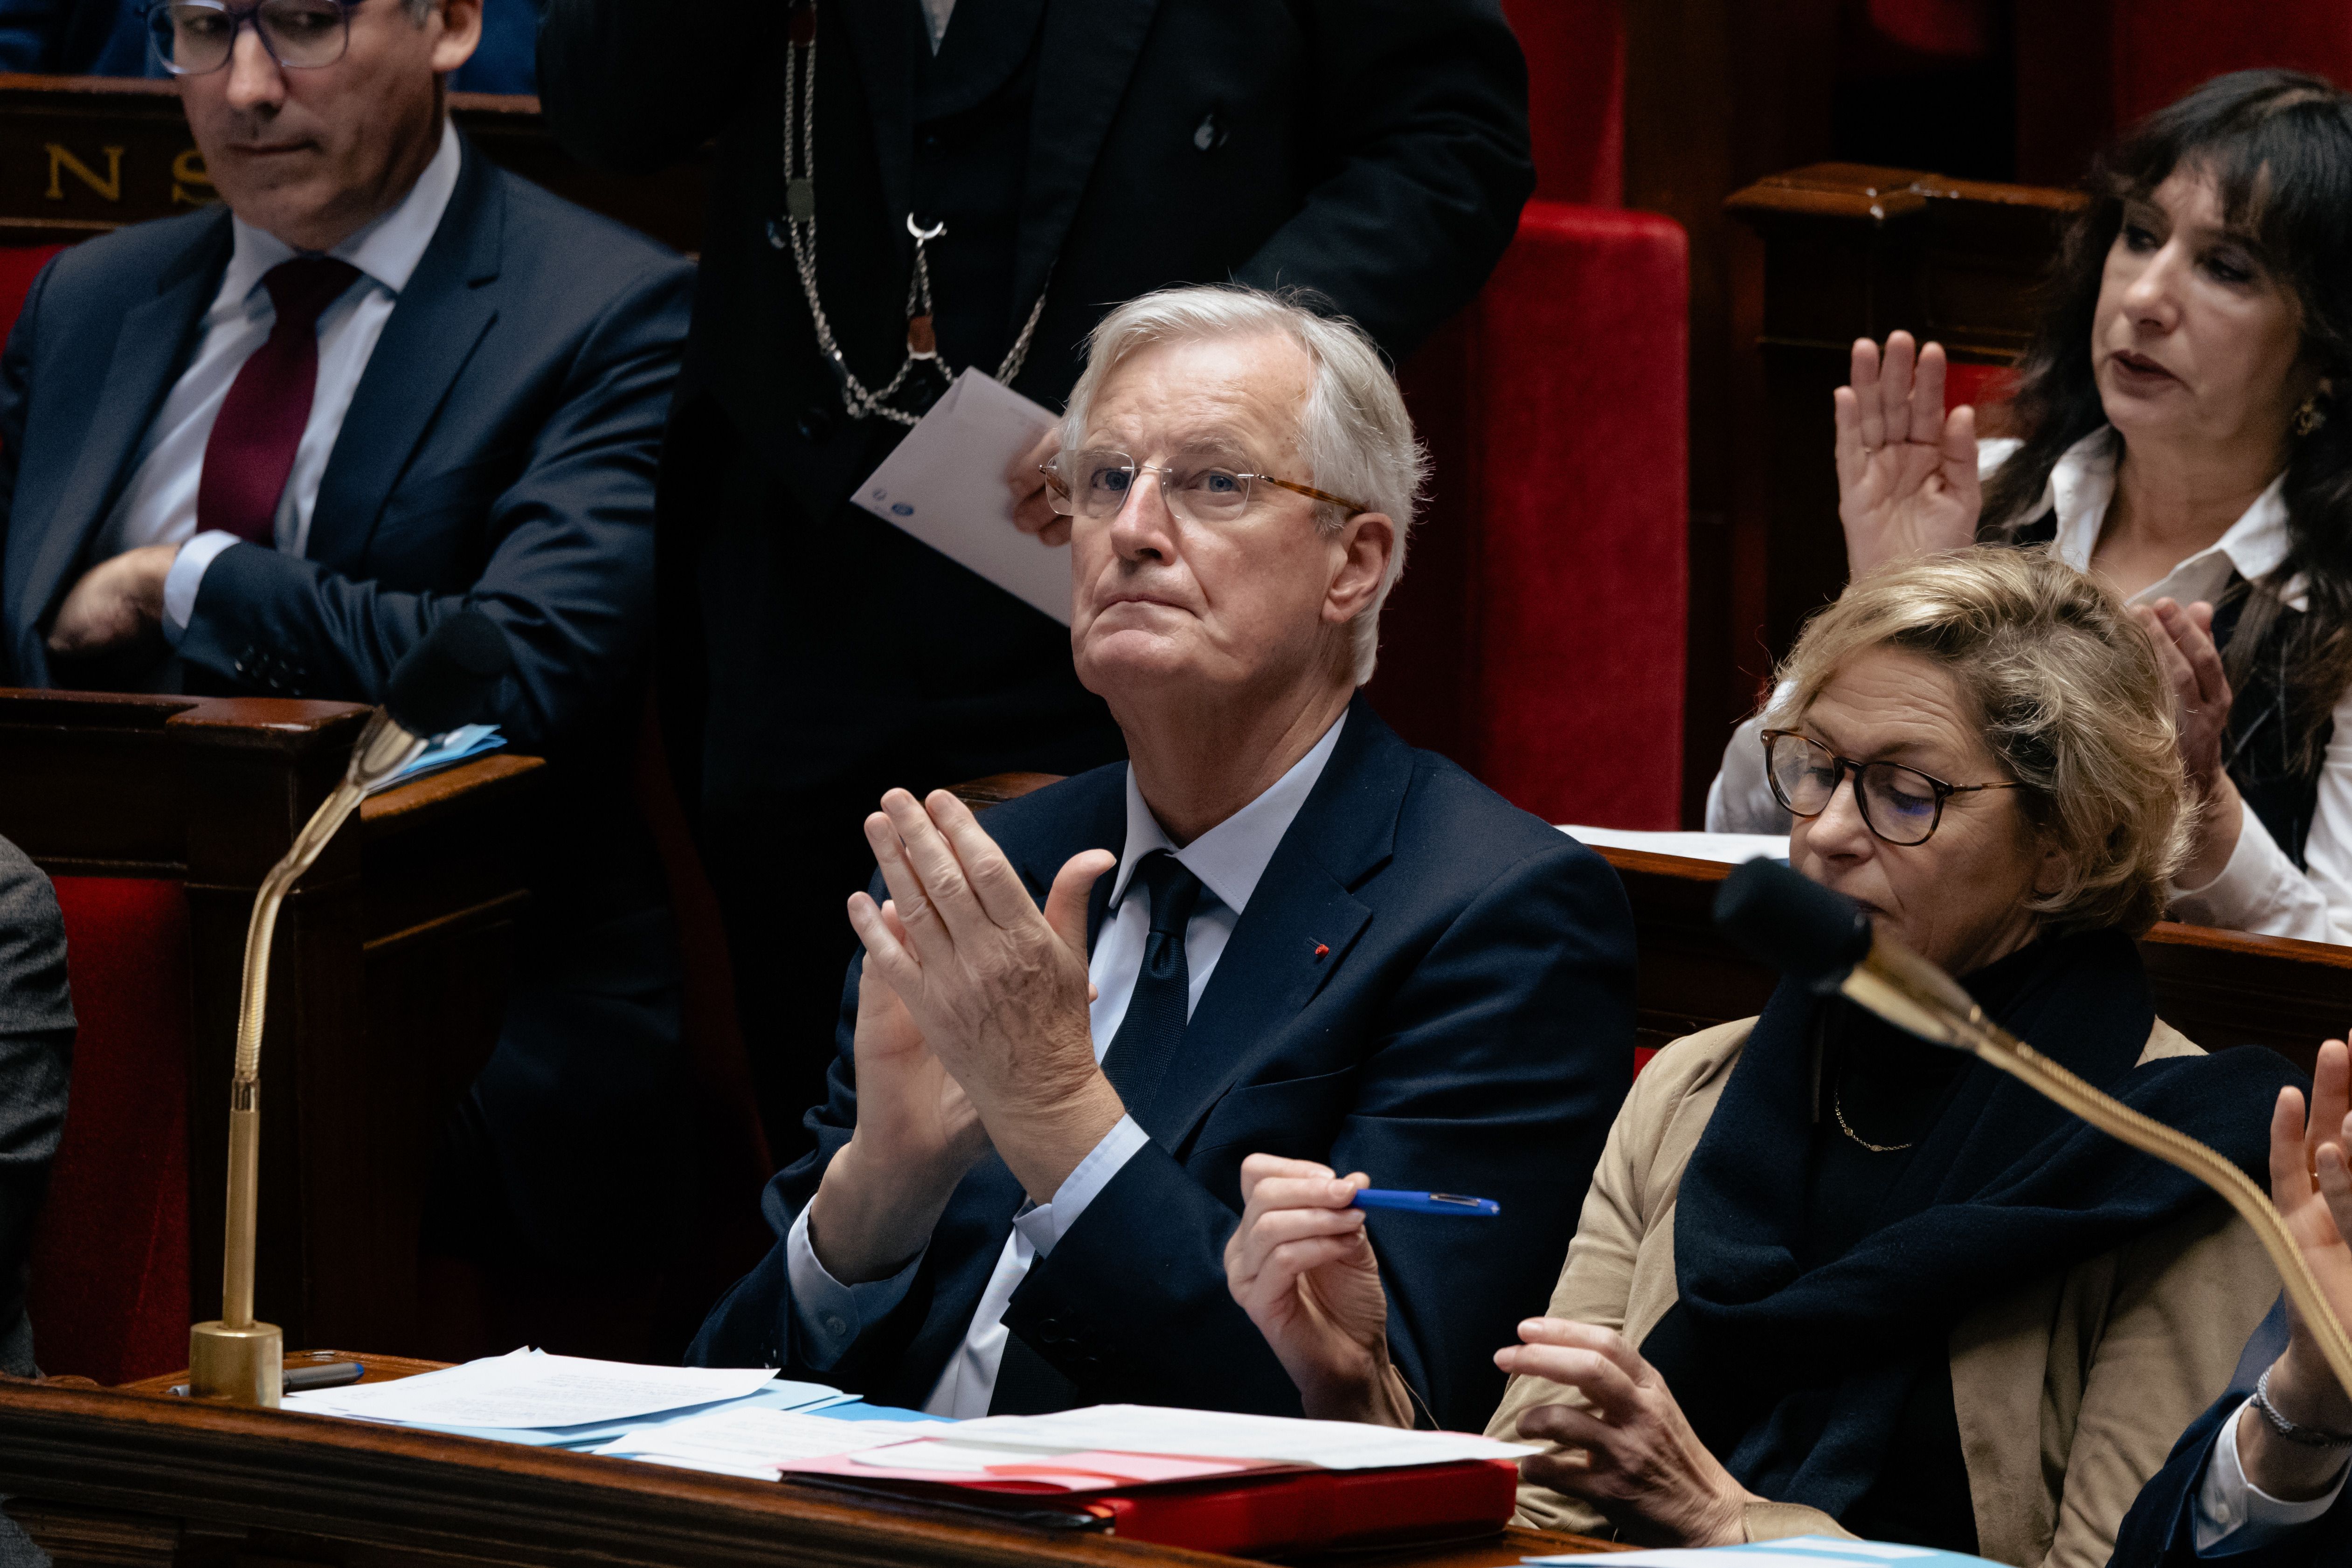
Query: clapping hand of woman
(1300, 1265)
(2311, 1182)
(2183, 636)
(1630, 1452)
(1907, 470)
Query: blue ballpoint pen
(1425, 1202)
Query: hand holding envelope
(946, 484)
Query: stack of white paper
(738, 1441)
(1208, 1435)
(531, 1396)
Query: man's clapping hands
(972, 1030)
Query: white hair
(1354, 434)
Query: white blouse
(2259, 890)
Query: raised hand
(1300, 1265)
(1907, 470)
(998, 987)
(1631, 1452)
(2311, 1183)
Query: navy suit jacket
(499, 454)
(1467, 1027)
(2159, 1531)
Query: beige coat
(2069, 1393)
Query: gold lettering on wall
(62, 161)
(188, 170)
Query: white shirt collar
(2083, 484)
(387, 248)
(1231, 857)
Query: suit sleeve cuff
(1049, 1222)
(831, 1314)
(186, 578)
(2233, 1515)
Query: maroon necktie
(251, 449)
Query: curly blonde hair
(2072, 703)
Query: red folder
(1268, 1512)
(1310, 1510)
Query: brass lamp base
(243, 1366)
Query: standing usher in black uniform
(1078, 152)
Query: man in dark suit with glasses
(1061, 156)
(264, 448)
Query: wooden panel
(2221, 989)
(1851, 251)
(388, 973)
(81, 155)
(103, 1476)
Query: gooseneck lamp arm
(1824, 939)
(444, 682)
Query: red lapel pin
(1320, 949)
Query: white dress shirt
(158, 505)
(936, 13)
(2259, 890)
(2233, 1515)
(1229, 859)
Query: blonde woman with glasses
(1829, 1278)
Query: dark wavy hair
(2278, 145)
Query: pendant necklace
(797, 230)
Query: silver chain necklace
(799, 230)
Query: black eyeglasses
(1901, 805)
(195, 38)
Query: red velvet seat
(1537, 638)
(110, 1288)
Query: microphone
(1824, 939)
(444, 682)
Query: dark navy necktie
(1027, 1383)
(1156, 1011)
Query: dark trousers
(835, 661)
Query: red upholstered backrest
(110, 1268)
(1576, 96)
(1538, 636)
(19, 264)
(2161, 48)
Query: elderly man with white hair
(1277, 928)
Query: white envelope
(945, 485)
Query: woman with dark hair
(2195, 457)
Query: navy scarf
(1805, 1374)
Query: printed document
(945, 485)
(530, 1389)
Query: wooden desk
(2221, 989)
(135, 1477)
(1853, 251)
(388, 973)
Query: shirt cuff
(832, 1314)
(186, 577)
(2233, 1515)
(2259, 890)
(1049, 1222)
